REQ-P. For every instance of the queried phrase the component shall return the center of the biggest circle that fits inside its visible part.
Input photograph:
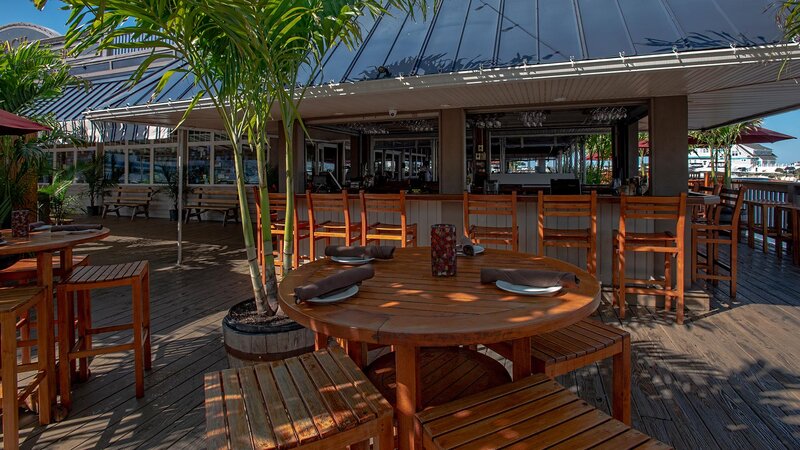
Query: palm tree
(722, 139)
(246, 57)
(29, 73)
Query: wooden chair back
(731, 201)
(383, 203)
(489, 205)
(575, 206)
(672, 209)
(334, 203)
(703, 212)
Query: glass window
(115, 165)
(224, 170)
(518, 37)
(652, 29)
(477, 44)
(250, 165)
(199, 164)
(84, 158)
(377, 47)
(65, 160)
(443, 43)
(558, 31)
(199, 136)
(165, 163)
(139, 166)
(603, 29)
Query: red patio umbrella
(758, 135)
(12, 124)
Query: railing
(126, 39)
(772, 191)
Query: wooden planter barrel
(246, 348)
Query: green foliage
(721, 140)
(62, 204)
(170, 175)
(97, 183)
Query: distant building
(744, 158)
(18, 32)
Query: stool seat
(556, 233)
(18, 298)
(446, 374)
(317, 400)
(107, 274)
(665, 236)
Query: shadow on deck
(727, 379)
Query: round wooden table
(44, 244)
(408, 308)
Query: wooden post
(44, 273)
(521, 358)
(408, 395)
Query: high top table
(407, 307)
(44, 244)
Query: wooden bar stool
(572, 206)
(14, 302)
(380, 204)
(84, 279)
(721, 228)
(337, 204)
(491, 206)
(277, 212)
(701, 212)
(656, 209)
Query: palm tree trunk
(270, 279)
(288, 247)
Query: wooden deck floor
(728, 379)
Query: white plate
(62, 232)
(526, 290)
(43, 228)
(351, 260)
(2, 242)
(478, 250)
(337, 297)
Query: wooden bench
(579, 345)
(319, 400)
(206, 199)
(535, 412)
(137, 198)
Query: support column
(669, 130)
(452, 163)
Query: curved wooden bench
(535, 412)
(319, 400)
(447, 373)
(579, 345)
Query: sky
(53, 17)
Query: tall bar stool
(335, 204)
(671, 245)
(701, 213)
(277, 211)
(491, 205)
(394, 204)
(574, 207)
(721, 228)
(14, 302)
(84, 279)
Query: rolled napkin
(529, 277)
(77, 227)
(357, 251)
(465, 244)
(333, 283)
(35, 225)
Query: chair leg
(680, 280)
(621, 383)
(64, 346)
(668, 281)
(8, 371)
(695, 248)
(148, 351)
(734, 268)
(25, 334)
(138, 357)
(385, 439)
(45, 412)
(83, 335)
(622, 293)
(614, 274)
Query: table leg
(65, 259)
(409, 400)
(521, 358)
(796, 236)
(357, 351)
(320, 341)
(44, 273)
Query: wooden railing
(773, 191)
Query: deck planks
(729, 378)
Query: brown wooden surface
(533, 413)
(727, 380)
(47, 241)
(446, 374)
(328, 404)
(405, 304)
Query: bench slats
(301, 418)
(235, 412)
(262, 434)
(281, 423)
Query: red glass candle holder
(443, 250)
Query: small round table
(44, 244)
(407, 307)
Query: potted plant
(247, 59)
(61, 202)
(98, 184)
(170, 176)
